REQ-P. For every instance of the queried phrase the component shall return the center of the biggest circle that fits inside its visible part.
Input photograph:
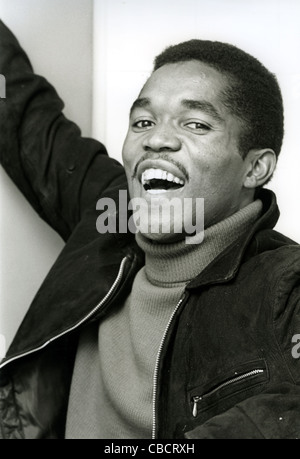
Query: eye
(143, 125)
(197, 126)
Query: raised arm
(59, 172)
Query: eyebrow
(190, 104)
(142, 102)
(203, 106)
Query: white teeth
(156, 191)
(150, 174)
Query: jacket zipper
(85, 318)
(197, 398)
(155, 377)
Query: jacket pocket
(240, 379)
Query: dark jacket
(226, 367)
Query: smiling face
(182, 142)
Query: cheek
(128, 157)
(127, 164)
(216, 174)
(132, 151)
(126, 150)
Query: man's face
(182, 142)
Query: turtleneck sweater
(112, 386)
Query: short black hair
(253, 93)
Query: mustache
(161, 156)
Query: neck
(179, 262)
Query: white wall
(128, 34)
(57, 35)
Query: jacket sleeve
(274, 413)
(58, 171)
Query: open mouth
(159, 181)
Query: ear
(260, 167)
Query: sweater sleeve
(59, 172)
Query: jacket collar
(225, 266)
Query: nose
(162, 138)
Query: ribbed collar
(180, 262)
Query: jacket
(226, 366)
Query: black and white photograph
(150, 222)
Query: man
(146, 335)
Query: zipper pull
(196, 399)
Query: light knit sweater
(112, 387)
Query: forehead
(183, 80)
